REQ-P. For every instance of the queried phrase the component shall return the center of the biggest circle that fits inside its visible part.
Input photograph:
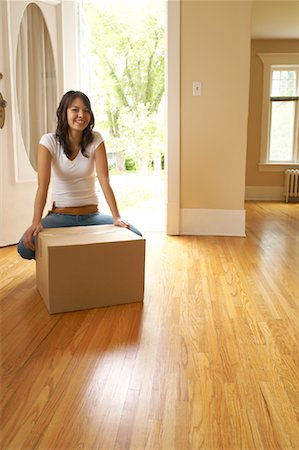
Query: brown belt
(75, 210)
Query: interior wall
(215, 49)
(254, 177)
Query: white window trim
(271, 59)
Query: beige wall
(215, 49)
(253, 176)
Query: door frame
(172, 116)
(173, 138)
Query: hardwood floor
(209, 361)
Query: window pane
(283, 83)
(282, 131)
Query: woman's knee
(24, 252)
(135, 230)
(104, 219)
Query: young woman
(73, 153)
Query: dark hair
(62, 134)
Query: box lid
(86, 235)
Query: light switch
(197, 88)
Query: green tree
(128, 52)
(140, 136)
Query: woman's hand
(32, 231)
(119, 222)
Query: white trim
(278, 58)
(277, 167)
(270, 193)
(70, 53)
(172, 83)
(213, 222)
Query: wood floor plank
(209, 361)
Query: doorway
(122, 60)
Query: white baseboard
(264, 193)
(212, 222)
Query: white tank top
(73, 182)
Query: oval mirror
(36, 80)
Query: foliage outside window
(279, 140)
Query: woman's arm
(43, 176)
(103, 177)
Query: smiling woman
(75, 121)
(78, 115)
(74, 153)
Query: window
(283, 114)
(279, 140)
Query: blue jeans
(66, 220)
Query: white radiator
(291, 183)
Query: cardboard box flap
(87, 235)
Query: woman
(73, 153)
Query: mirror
(35, 80)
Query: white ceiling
(275, 20)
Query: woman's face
(78, 115)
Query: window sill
(277, 167)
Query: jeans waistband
(75, 210)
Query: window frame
(276, 61)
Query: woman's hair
(62, 132)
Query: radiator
(291, 183)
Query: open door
(35, 72)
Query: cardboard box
(88, 267)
